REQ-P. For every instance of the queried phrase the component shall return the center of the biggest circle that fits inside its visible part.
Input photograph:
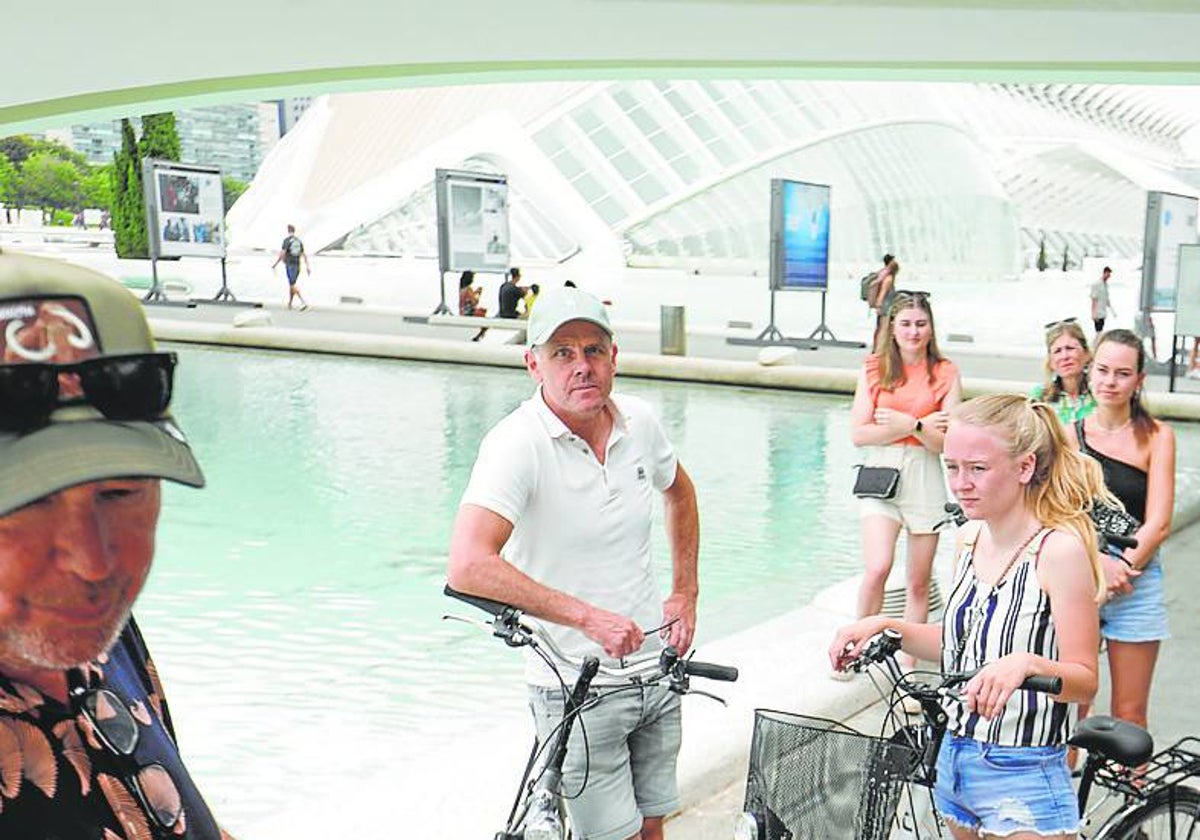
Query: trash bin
(673, 331)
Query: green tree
(17, 148)
(232, 189)
(9, 188)
(1042, 262)
(97, 187)
(50, 183)
(1066, 257)
(160, 139)
(128, 207)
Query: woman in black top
(1137, 454)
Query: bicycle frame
(537, 810)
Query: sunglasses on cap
(1060, 323)
(131, 387)
(118, 732)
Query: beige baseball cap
(52, 312)
(557, 306)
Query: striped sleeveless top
(986, 623)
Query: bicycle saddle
(1114, 739)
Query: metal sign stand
(156, 295)
(822, 333)
(442, 308)
(225, 297)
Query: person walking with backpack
(878, 289)
(291, 252)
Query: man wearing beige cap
(87, 749)
(556, 521)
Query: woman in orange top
(901, 404)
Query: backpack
(868, 286)
(295, 248)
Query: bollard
(672, 331)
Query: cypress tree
(128, 209)
(160, 139)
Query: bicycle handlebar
(507, 624)
(1100, 514)
(495, 608)
(886, 644)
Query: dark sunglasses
(131, 387)
(117, 731)
(1060, 323)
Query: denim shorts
(1140, 616)
(1005, 790)
(633, 740)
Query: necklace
(980, 605)
(1106, 431)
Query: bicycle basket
(815, 778)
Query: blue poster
(805, 236)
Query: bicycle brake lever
(474, 622)
(710, 696)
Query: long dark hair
(891, 366)
(1144, 424)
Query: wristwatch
(919, 425)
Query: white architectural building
(959, 179)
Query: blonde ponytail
(1065, 482)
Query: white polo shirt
(579, 526)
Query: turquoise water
(295, 604)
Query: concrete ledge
(798, 377)
(476, 323)
(782, 665)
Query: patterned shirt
(57, 780)
(1068, 408)
(986, 623)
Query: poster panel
(185, 209)
(1170, 223)
(799, 235)
(1187, 302)
(473, 228)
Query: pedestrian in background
(1067, 358)
(899, 414)
(1137, 454)
(1101, 307)
(291, 252)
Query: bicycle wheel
(916, 818)
(1152, 819)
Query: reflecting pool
(295, 607)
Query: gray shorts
(632, 743)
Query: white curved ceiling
(64, 64)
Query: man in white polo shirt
(556, 521)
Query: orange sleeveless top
(915, 395)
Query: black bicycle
(811, 777)
(538, 811)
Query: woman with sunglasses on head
(904, 390)
(1024, 603)
(1137, 455)
(1066, 386)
